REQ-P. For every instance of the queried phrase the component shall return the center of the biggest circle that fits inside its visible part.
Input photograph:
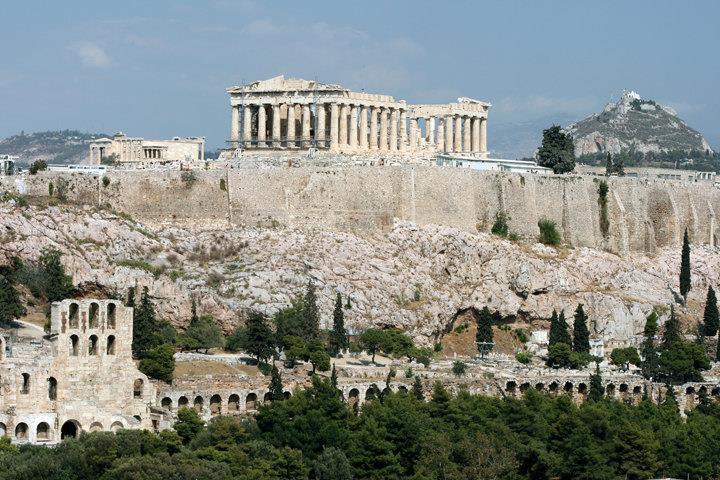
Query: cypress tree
(10, 305)
(559, 330)
(338, 336)
(145, 331)
(647, 350)
(58, 285)
(193, 311)
(130, 298)
(333, 377)
(596, 391)
(258, 340)
(276, 386)
(484, 334)
(711, 319)
(609, 170)
(311, 314)
(581, 335)
(717, 354)
(672, 330)
(417, 388)
(685, 267)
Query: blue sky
(160, 68)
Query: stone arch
(138, 418)
(402, 389)
(183, 402)
(553, 387)
(73, 311)
(715, 392)
(96, 427)
(215, 405)
(690, 390)
(524, 387)
(116, 426)
(689, 397)
(510, 387)
(110, 348)
(110, 315)
(582, 389)
(251, 401)
(42, 431)
(94, 315)
(93, 345)
(199, 403)
(70, 429)
(386, 391)
(287, 395)
(234, 403)
(25, 388)
(74, 345)
(52, 388)
(21, 431)
(267, 398)
(138, 386)
(610, 390)
(623, 390)
(637, 390)
(540, 386)
(568, 387)
(166, 403)
(354, 397)
(370, 393)
(3, 429)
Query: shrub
(523, 357)
(223, 187)
(38, 166)
(521, 335)
(459, 368)
(409, 372)
(500, 227)
(105, 181)
(437, 347)
(188, 178)
(548, 232)
(602, 201)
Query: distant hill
(635, 124)
(61, 146)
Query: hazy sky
(160, 68)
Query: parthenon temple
(291, 113)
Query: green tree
(711, 319)
(484, 335)
(671, 335)
(371, 340)
(683, 362)
(417, 388)
(159, 363)
(318, 357)
(311, 314)
(37, 166)
(57, 285)
(188, 425)
(557, 150)
(276, 386)
(288, 321)
(619, 167)
(648, 349)
(332, 464)
(581, 335)
(202, 334)
(559, 330)
(258, 340)
(459, 368)
(295, 349)
(596, 391)
(685, 280)
(148, 331)
(623, 357)
(11, 307)
(609, 168)
(130, 302)
(338, 336)
(333, 377)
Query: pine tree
(276, 386)
(258, 339)
(711, 319)
(581, 335)
(557, 150)
(10, 306)
(202, 333)
(685, 281)
(619, 166)
(57, 284)
(193, 311)
(596, 391)
(484, 336)
(130, 298)
(671, 335)
(338, 336)
(609, 169)
(670, 398)
(311, 314)
(417, 388)
(333, 377)
(559, 330)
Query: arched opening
(25, 389)
(92, 345)
(690, 391)
(386, 391)
(715, 392)
(553, 388)
(93, 315)
(70, 429)
(21, 431)
(568, 387)
(510, 387)
(166, 403)
(43, 431)
(540, 386)
(3, 429)
(402, 389)
(524, 387)
(110, 345)
(96, 427)
(198, 404)
(353, 397)
(582, 389)
(74, 345)
(111, 315)
(215, 405)
(73, 315)
(138, 388)
(183, 402)
(610, 390)
(234, 403)
(287, 395)
(52, 388)
(250, 401)
(116, 426)
(267, 398)
(637, 390)
(702, 390)
(138, 418)
(370, 393)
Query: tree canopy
(557, 150)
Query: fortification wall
(643, 214)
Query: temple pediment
(282, 84)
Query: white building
(7, 164)
(126, 149)
(491, 164)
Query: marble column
(466, 134)
(475, 134)
(305, 125)
(393, 130)
(441, 136)
(383, 144)
(363, 127)
(449, 133)
(458, 134)
(247, 126)
(413, 133)
(483, 135)
(403, 131)
(276, 125)
(262, 125)
(430, 125)
(234, 126)
(320, 132)
(343, 126)
(352, 143)
(373, 128)
(291, 125)
(334, 126)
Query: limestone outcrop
(415, 278)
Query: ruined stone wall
(644, 214)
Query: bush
(500, 227)
(223, 186)
(523, 357)
(38, 166)
(105, 181)
(459, 368)
(561, 355)
(437, 347)
(188, 178)
(548, 232)
(521, 335)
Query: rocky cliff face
(635, 123)
(62, 146)
(416, 278)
